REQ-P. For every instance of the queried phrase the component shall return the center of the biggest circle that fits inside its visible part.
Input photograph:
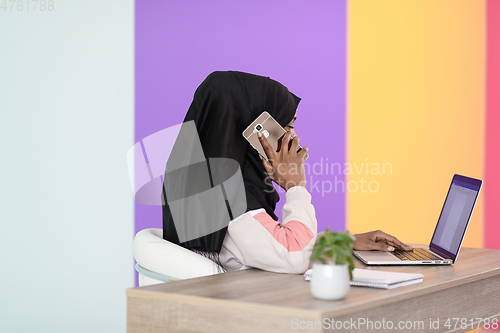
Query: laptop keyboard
(418, 254)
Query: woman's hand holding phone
(285, 166)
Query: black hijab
(223, 106)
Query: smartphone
(271, 129)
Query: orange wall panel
(415, 102)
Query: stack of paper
(379, 279)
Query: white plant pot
(330, 282)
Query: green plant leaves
(334, 248)
(317, 250)
(351, 266)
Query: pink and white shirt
(254, 239)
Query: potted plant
(332, 265)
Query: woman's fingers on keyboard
(389, 238)
(397, 246)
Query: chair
(160, 261)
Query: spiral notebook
(379, 279)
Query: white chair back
(160, 261)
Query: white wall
(66, 206)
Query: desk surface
(253, 300)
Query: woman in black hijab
(222, 108)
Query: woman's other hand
(378, 240)
(286, 166)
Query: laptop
(448, 235)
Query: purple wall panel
(301, 44)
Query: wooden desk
(259, 301)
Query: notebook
(379, 279)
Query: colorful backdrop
(301, 44)
(398, 96)
(423, 98)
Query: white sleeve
(257, 240)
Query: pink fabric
(294, 235)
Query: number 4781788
(27, 5)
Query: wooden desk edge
(312, 314)
(351, 308)
(224, 303)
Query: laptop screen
(455, 215)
